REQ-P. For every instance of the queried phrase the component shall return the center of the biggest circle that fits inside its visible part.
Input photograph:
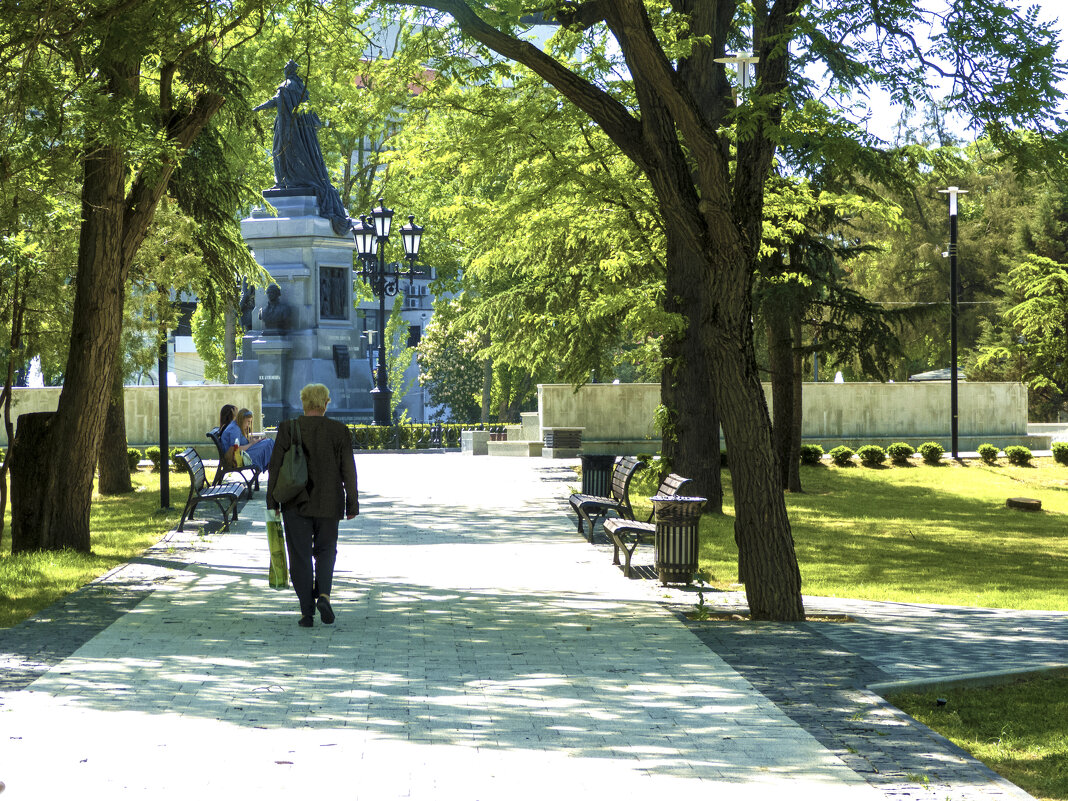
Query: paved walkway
(478, 654)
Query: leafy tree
(449, 365)
(399, 355)
(671, 119)
(126, 87)
(571, 291)
(1039, 327)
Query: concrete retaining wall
(853, 412)
(192, 410)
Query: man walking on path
(311, 518)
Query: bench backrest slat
(624, 471)
(195, 466)
(216, 437)
(672, 484)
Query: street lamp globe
(382, 217)
(411, 234)
(364, 234)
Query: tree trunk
(113, 469)
(112, 228)
(794, 484)
(690, 435)
(487, 390)
(58, 506)
(781, 363)
(767, 564)
(230, 342)
(32, 478)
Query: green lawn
(122, 527)
(1018, 729)
(926, 534)
(940, 535)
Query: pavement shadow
(490, 668)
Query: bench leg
(190, 507)
(590, 523)
(630, 553)
(225, 513)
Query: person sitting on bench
(240, 446)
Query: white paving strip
(482, 650)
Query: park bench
(252, 480)
(226, 496)
(617, 500)
(628, 534)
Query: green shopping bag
(278, 574)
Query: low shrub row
(410, 436)
(931, 452)
(152, 453)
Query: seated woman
(226, 416)
(238, 434)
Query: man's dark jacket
(331, 490)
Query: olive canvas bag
(293, 474)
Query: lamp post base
(380, 398)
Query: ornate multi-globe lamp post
(384, 279)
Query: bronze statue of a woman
(298, 159)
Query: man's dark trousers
(308, 539)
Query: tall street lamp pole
(954, 292)
(383, 279)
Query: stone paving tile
(821, 687)
(472, 651)
(477, 654)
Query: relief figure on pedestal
(275, 315)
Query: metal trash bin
(597, 473)
(675, 542)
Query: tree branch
(149, 185)
(608, 112)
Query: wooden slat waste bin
(676, 540)
(597, 473)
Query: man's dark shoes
(306, 622)
(325, 611)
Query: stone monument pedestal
(317, 338)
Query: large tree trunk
(113, 226)
(767, 564)
(230, 342)
(781, 363)
(690, 435)
(113, 468)
(32, 474)
(794, 484)
(58, 507)
(766, 560)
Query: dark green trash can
(676, 540)
(597, 471)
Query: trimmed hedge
(932, 452)
(842, 456)
(988, 453)
(411, 436)
(900, 452)
(811, 454)
(871, 455)
(152, 453)
(1018, 455)
(1060, 452)
(133, 456)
